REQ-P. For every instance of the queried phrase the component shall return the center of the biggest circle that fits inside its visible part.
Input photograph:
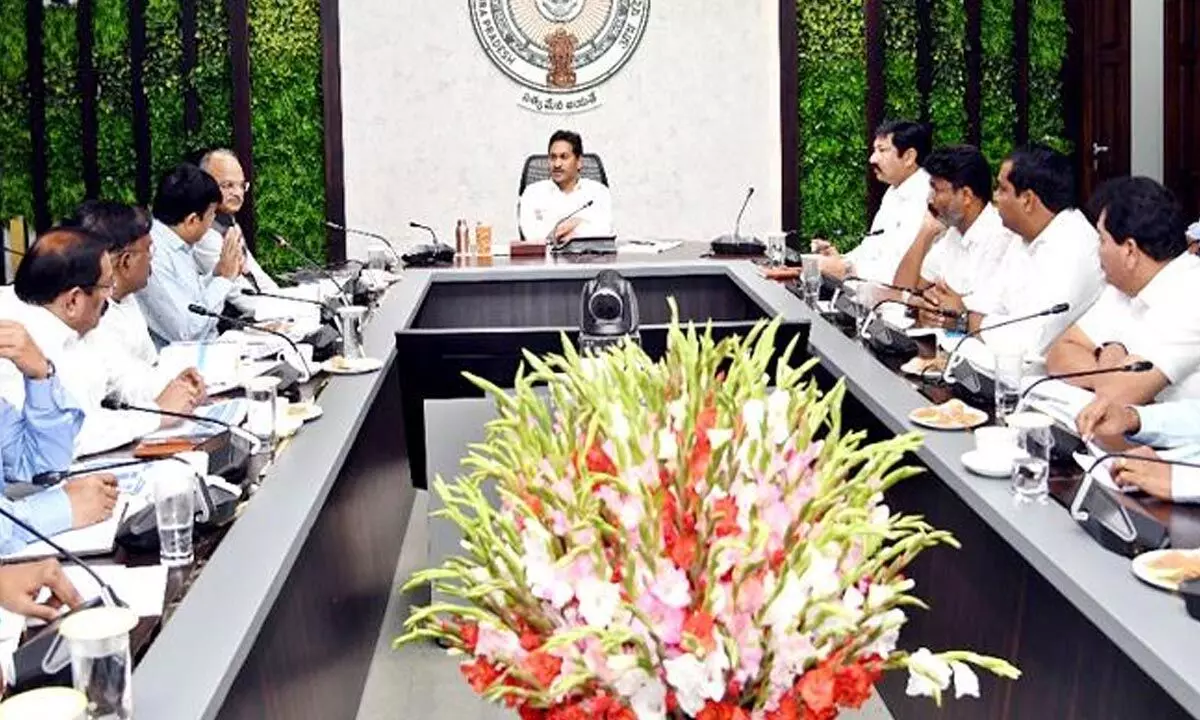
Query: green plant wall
(287, 120)
(832, 98)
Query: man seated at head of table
(38, 437)
(963, 239)
(62, 286)
(122, 339)
(184, 206)
(897, 155)
(1148, 311)
(224, 167)
(1053, 261)
(545, 205)
(1173, 425)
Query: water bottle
(461, 238)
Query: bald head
(225, 168)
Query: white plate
(1141, 568)
(987, 465)
(356, 367)
(304, 412)
(976, 418)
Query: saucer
(987, 465)
(341, 366)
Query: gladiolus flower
(543, 667)
(480, 674)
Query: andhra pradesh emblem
(559, 51)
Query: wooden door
(1181, 106)
(1105, 136)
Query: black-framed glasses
(228, 185)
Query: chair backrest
(537, 168)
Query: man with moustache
(897, 157)
(224, 167)
(544, 204)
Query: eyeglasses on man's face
(230, 186)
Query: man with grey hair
(225, 168)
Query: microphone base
(428, 256)
(44, 660)
(738, 246)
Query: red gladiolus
(599, 462)
(725, 512)
(788, 709)
(469, 632)
(683, 550)
(529, 638)
(534, 503)
(573, 711)
(479, 674)
(853, 683)
(529, 713)
(543, 667)
(700, 626)
(722, 711)
(817, 688)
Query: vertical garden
(286, 104)
(832, 75)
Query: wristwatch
(1100, 348)
(49, 369)
(962, 323)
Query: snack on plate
(1175, 566)
(340, 363)
(952, 414)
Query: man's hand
(21, 583)
(1150, 477)
(1106, 418)
(836, 266)
(92, 498)
(233, 255)
(182, 395)
(16, 345)
(1112, 355)
(932, 227)
(945, 297)
(193, 379)
(823, 247)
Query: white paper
(639, 246)
(91, 540)
(1103, 473)
(143, 589)
(217, 362)
(1058, 399)
(231, 412)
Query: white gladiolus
(668, 449)
(965, 680)
(752, 417)
(620, 425)
(777, 417)
(697, 681)
(719, 436)
(598, 601)
(928, 674)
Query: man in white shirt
(122, 339)
(184, 206)
(1174, 425)
(897, 156)
(1149, 309)
(963, 238)
(1055, 261)
(558, 209)
(225, 168)
(62, 286)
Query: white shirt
(1060, 265)
(81, 372)
(544, 205)
(122, 341)
(1160, 324)
(208, 251)
(897, 223)
(964, 260)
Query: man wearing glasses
(62, 287)
(225, 168)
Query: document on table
(143, 589)
(1059, 400)
(227, 412)
(645, 246)
(1103, 472)
(91, 540)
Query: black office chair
(537, 168)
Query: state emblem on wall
(559, 51)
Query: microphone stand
(1053, 310)
(1133, 367)
(238, 322)
(351, 231)
(282, 242)
(555, 245)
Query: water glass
(260, 411)
(101, 666)
(776, 248)
(1031, 466)
(350, 325)
(810, 277)
(1010, 365)
(48, 703)
(865, 297)
(174, 512)
(377, 259)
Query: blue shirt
(176, 282)
(1174, 425)
(39, 438)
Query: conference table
(282, 620)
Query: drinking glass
(483, 241)
(865, 296)
(260, 413)
(776, 249)
(1031, 466)
(100, 661)
(174, 512)
(377, 259)
(810, 278)
(1010, 364)
(350, 325)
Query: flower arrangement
(691, 537)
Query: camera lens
(605, 306)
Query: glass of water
(1010, 365)
(776, 248)
(101, 665)
(350, 324)
(377, 259)
(174, 512)
(810, 278)
(260, 410)
(1031, 466)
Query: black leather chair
(537, 168)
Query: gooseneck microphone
(550, 235)
(1052, 310)
(364, 233)
(201, 310)
(115, 404)
(107, 595)
(426, 228)
(282, 242)
(892, 301)
(1134, 367)
(277, 296)
(737, 224)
